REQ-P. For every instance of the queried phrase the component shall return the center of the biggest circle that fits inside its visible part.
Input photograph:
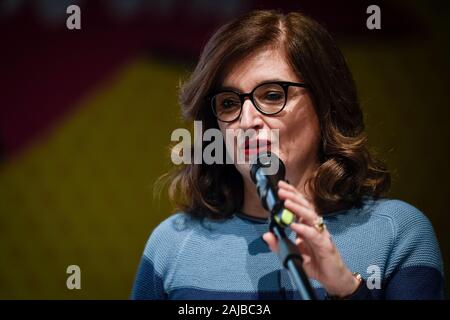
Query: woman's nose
(250, 118)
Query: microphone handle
(267, 189)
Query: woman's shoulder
(400, 221)
(176, 225)
(414, 239)
(402, 214)
(414, 256)
(170, 233)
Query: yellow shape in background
(83, 193)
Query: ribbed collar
(253, 219)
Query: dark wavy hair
(348, 172)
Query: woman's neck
(252, 204)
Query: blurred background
(86, 117)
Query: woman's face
(298, 125)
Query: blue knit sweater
(389, 242)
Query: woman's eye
(228, 104)
(273, 96)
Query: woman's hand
(321, 259)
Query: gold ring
(320, 225)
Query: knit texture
(187, 258)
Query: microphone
(265, 172)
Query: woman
(268, 71)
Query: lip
(261, 145)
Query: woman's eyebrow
(231, 88)
(274, 80)
(228, 88)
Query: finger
(271, 241)
(284, 184)
(303, 246)
(296, 196)
(287, 186)
(304, 250)
(306, 259)
(310, 234)
(305, 214)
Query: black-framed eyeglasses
(269, 98)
